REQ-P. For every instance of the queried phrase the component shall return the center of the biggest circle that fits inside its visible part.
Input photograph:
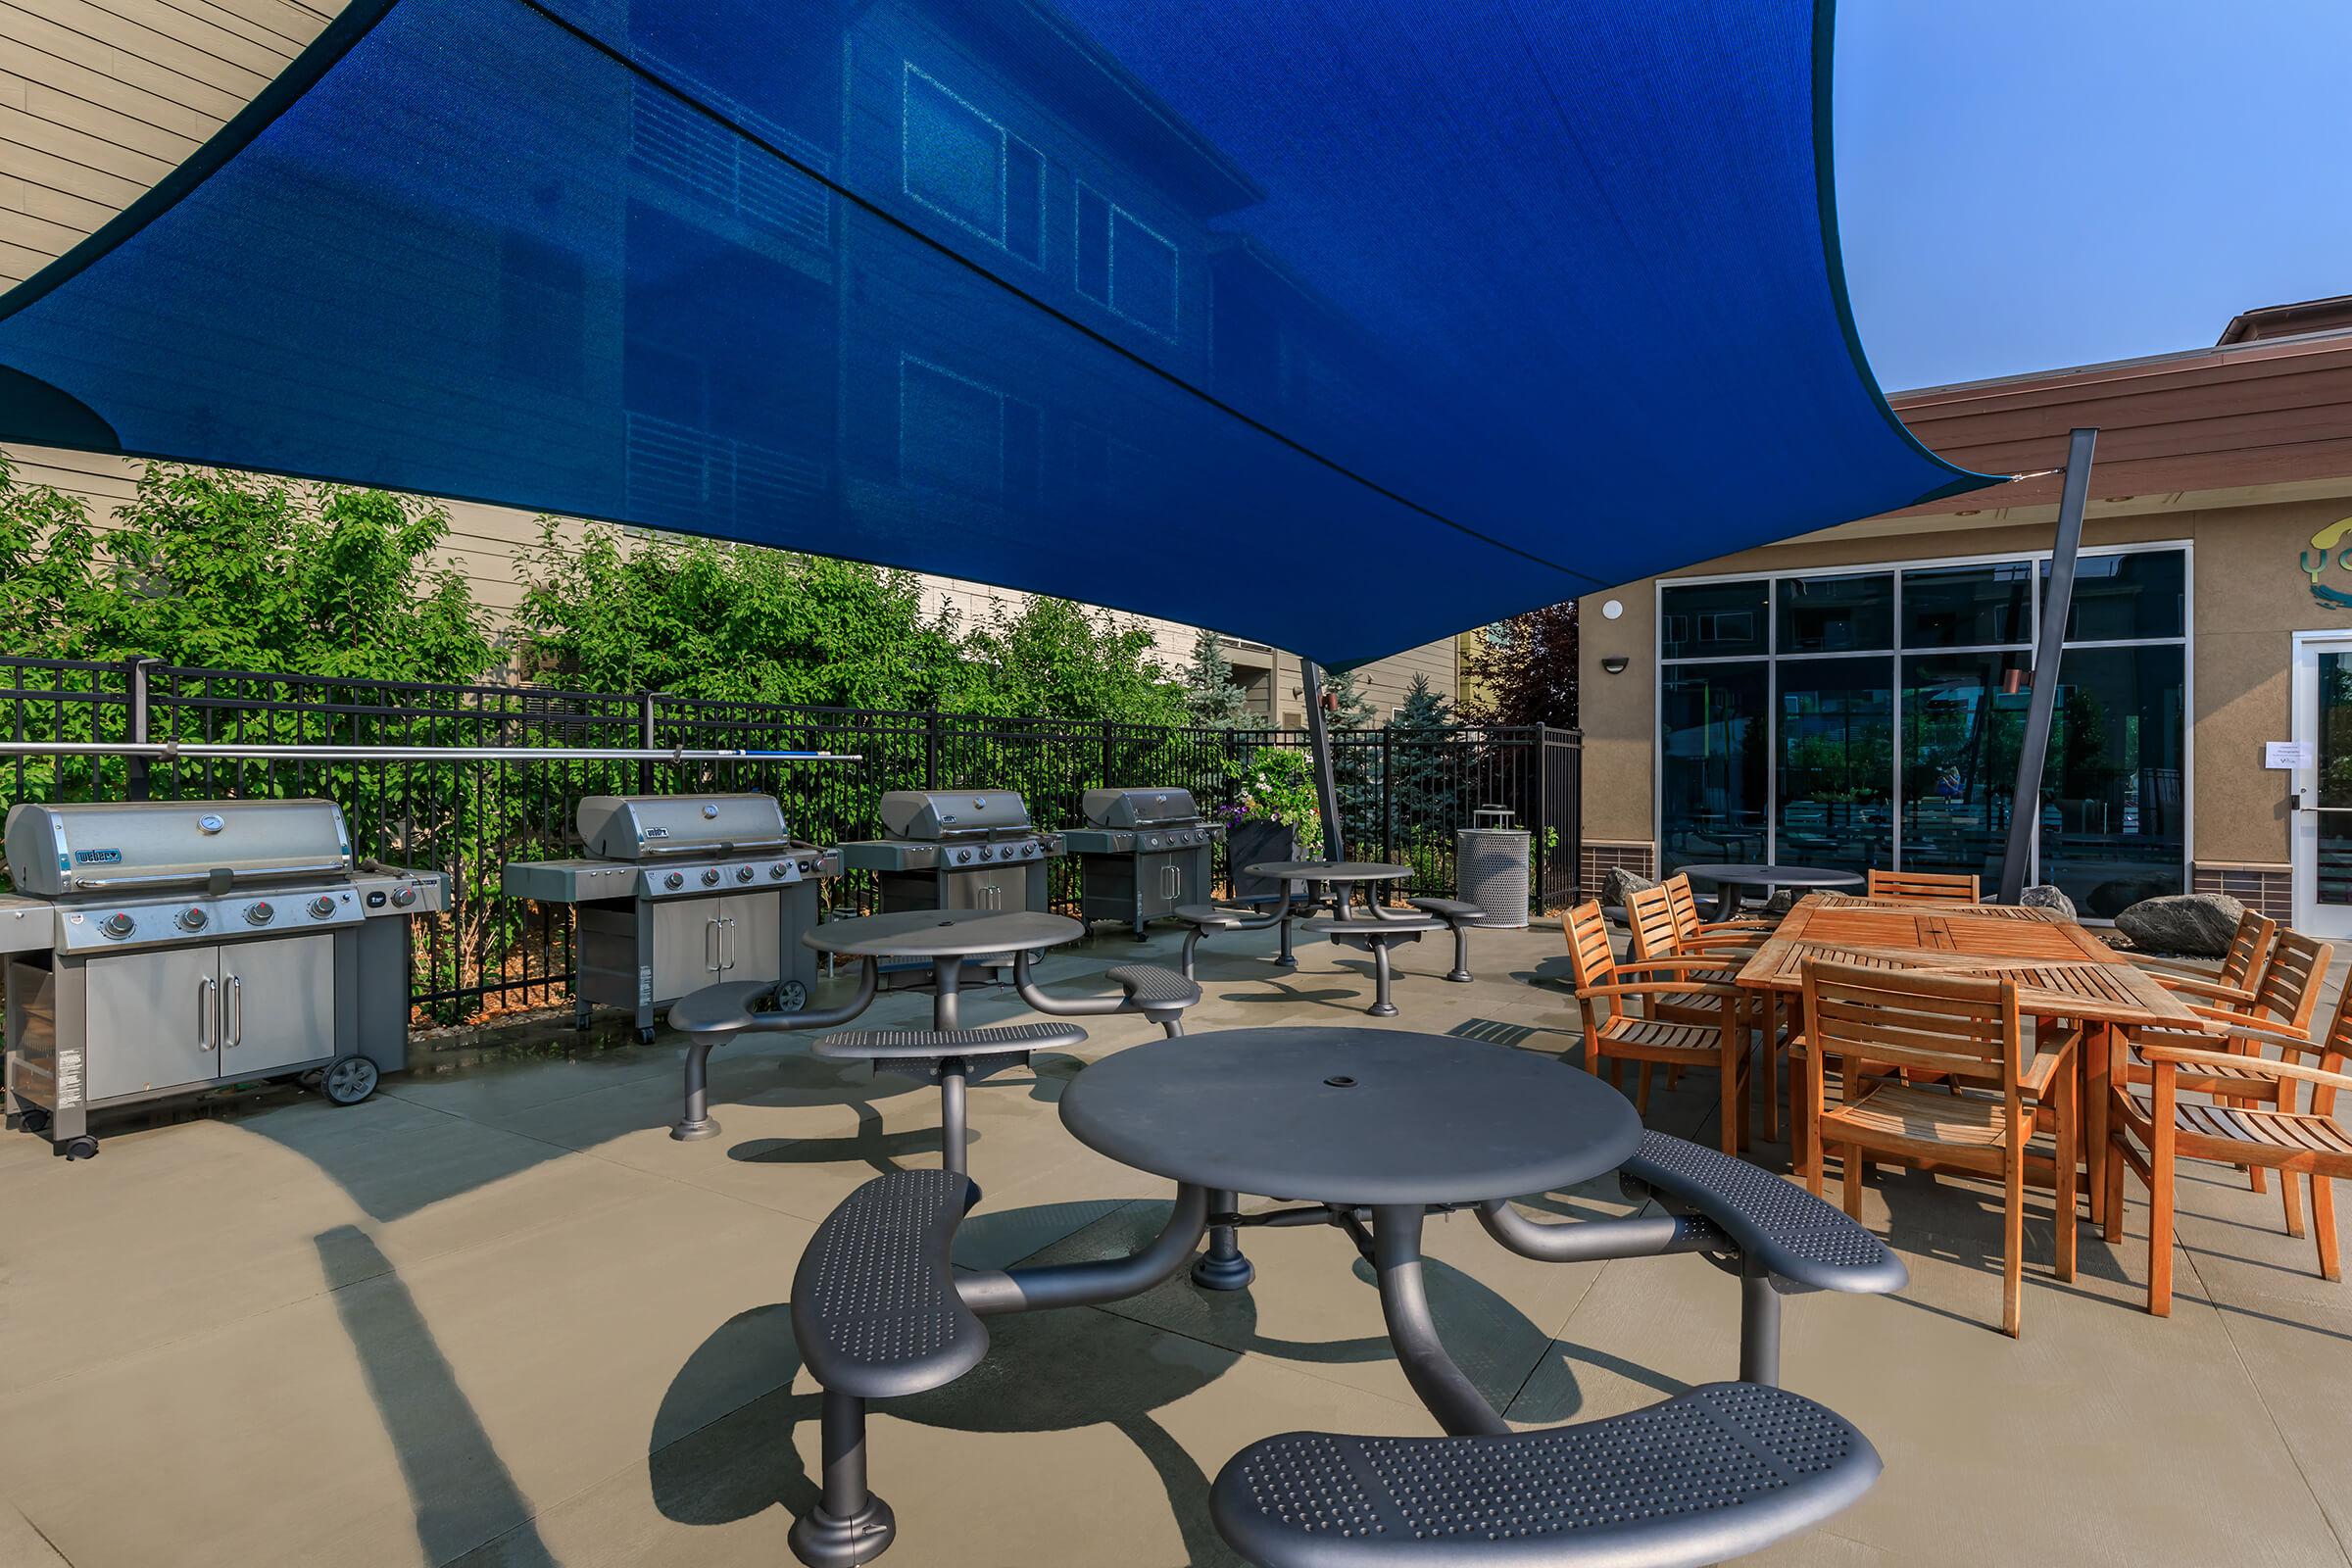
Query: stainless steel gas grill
(956, 850)
(1146, 852)
(164, 946)
(678, 892)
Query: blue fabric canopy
(1344, 324)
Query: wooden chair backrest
(1925, 887)
(1962, 1025)
(2250, 947)
(1685, 905)
(1591, 961)
(1649, 914)
(2290, 987)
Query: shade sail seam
(1064, 317)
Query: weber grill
(957, 849)
(158, 948)
(1146, 852)
(677, 892)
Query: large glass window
(1715, 619)
(1835, 614)
(1873, 718)
(1712, 755)
(1836, 784)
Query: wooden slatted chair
(1985, 1118)
(2152, 1129)
(1614, 1033)
(1924, 887)
(2241, 966)
(1668, 936)
(1692, 932)
(2277, 1012)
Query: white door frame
(2303, 832)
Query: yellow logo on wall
(2327, 544)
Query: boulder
(1620, 885)
(2046, 897)
(2198, 925)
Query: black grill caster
(348, 1080)
(791, 997)
(83, 1148)
(645, 1037)
(34, 1119)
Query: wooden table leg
(2097, 1042)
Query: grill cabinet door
(686, 946)
(277, 1003)
(154, 1021)
(752, 946)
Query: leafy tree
(1523, 670)
(1052, 659)
(1210, 691)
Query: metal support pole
(136, 783)
(951, 1116)
(2025, 808)
(1404, 1306)
(1760, 1324)
(1223, 1267)
(850, 1523)
(1388, 792)
(1318, 739)
(645, 738)
(695, 1123)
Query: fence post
(931, 746)
(645, 738)
(1388, 795)
(138, 779)
(1107, 782)
(1542, 813)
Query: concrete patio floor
(495, 1316)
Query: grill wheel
(348, 1080)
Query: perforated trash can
(1491, 866)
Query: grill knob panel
(710, 876)
(116, 926)
(743, 873)
(321, 906)
(191, 919)
(259, 913)
(987, 853)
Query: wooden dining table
(2062, 971)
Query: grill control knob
(321, 906)
(743, 873)
(710, 876)
(402, 896)
(259, 913)
(116, 926)
(674, 881)
(963, 856)
(987, 853)
(191, 919)
(779, 871)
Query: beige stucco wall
(2248, 597)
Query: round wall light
(1611, 609)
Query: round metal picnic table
(1344, 873)
(949, 938)
(1730, 878)
(1352, 1118)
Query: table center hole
(1341, 1081)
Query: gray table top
(942, 933)
(1352, 1115)
(1330, 870)
(1774, 876)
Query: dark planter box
(1251, 842)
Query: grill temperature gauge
(674, 881)
(779, 871)
(743, 873)
(710, 876)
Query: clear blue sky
(2023, 186)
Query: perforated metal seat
(1215, 916)
(1714, 1474)
(728, 1009)
(1797, 1239)
(1150, 988)
(874, 1309)
(954, 1057)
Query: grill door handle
(711, 946)
(232, 1031)
(726, 945)
(204, 1012)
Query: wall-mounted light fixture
(1614, 664)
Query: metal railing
(1402, 793)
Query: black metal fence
(1402, 793)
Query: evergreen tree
(1217, 701)
(1422, 791)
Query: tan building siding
(100, 99)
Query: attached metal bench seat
(1707, 1476)
(876, 1315)
(1376, 934)
(1799, 1240)
(1159, 995)
(725, 1010)
(715, 1016)
(1204, 918)
(954, 1057)
(1462, 917)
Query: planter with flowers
(1273, 817)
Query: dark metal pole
(1318, 738)
(2025, 808)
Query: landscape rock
(2196, 925)
(2046, 897)
(1620, 885)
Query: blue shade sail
(1344, 324)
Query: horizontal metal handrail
(229, 751)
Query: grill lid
(645, 827)
(932, 814)
(59, 850)
(1139, 808)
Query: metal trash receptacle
(1491, 866)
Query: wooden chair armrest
(1664, 988)
(1682, 966)
(2237, 1026)
(1745, 922)
(2203, 988)
(2185, 1056)
(2048, 1061)
(2147, 962)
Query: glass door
(2323, 815)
